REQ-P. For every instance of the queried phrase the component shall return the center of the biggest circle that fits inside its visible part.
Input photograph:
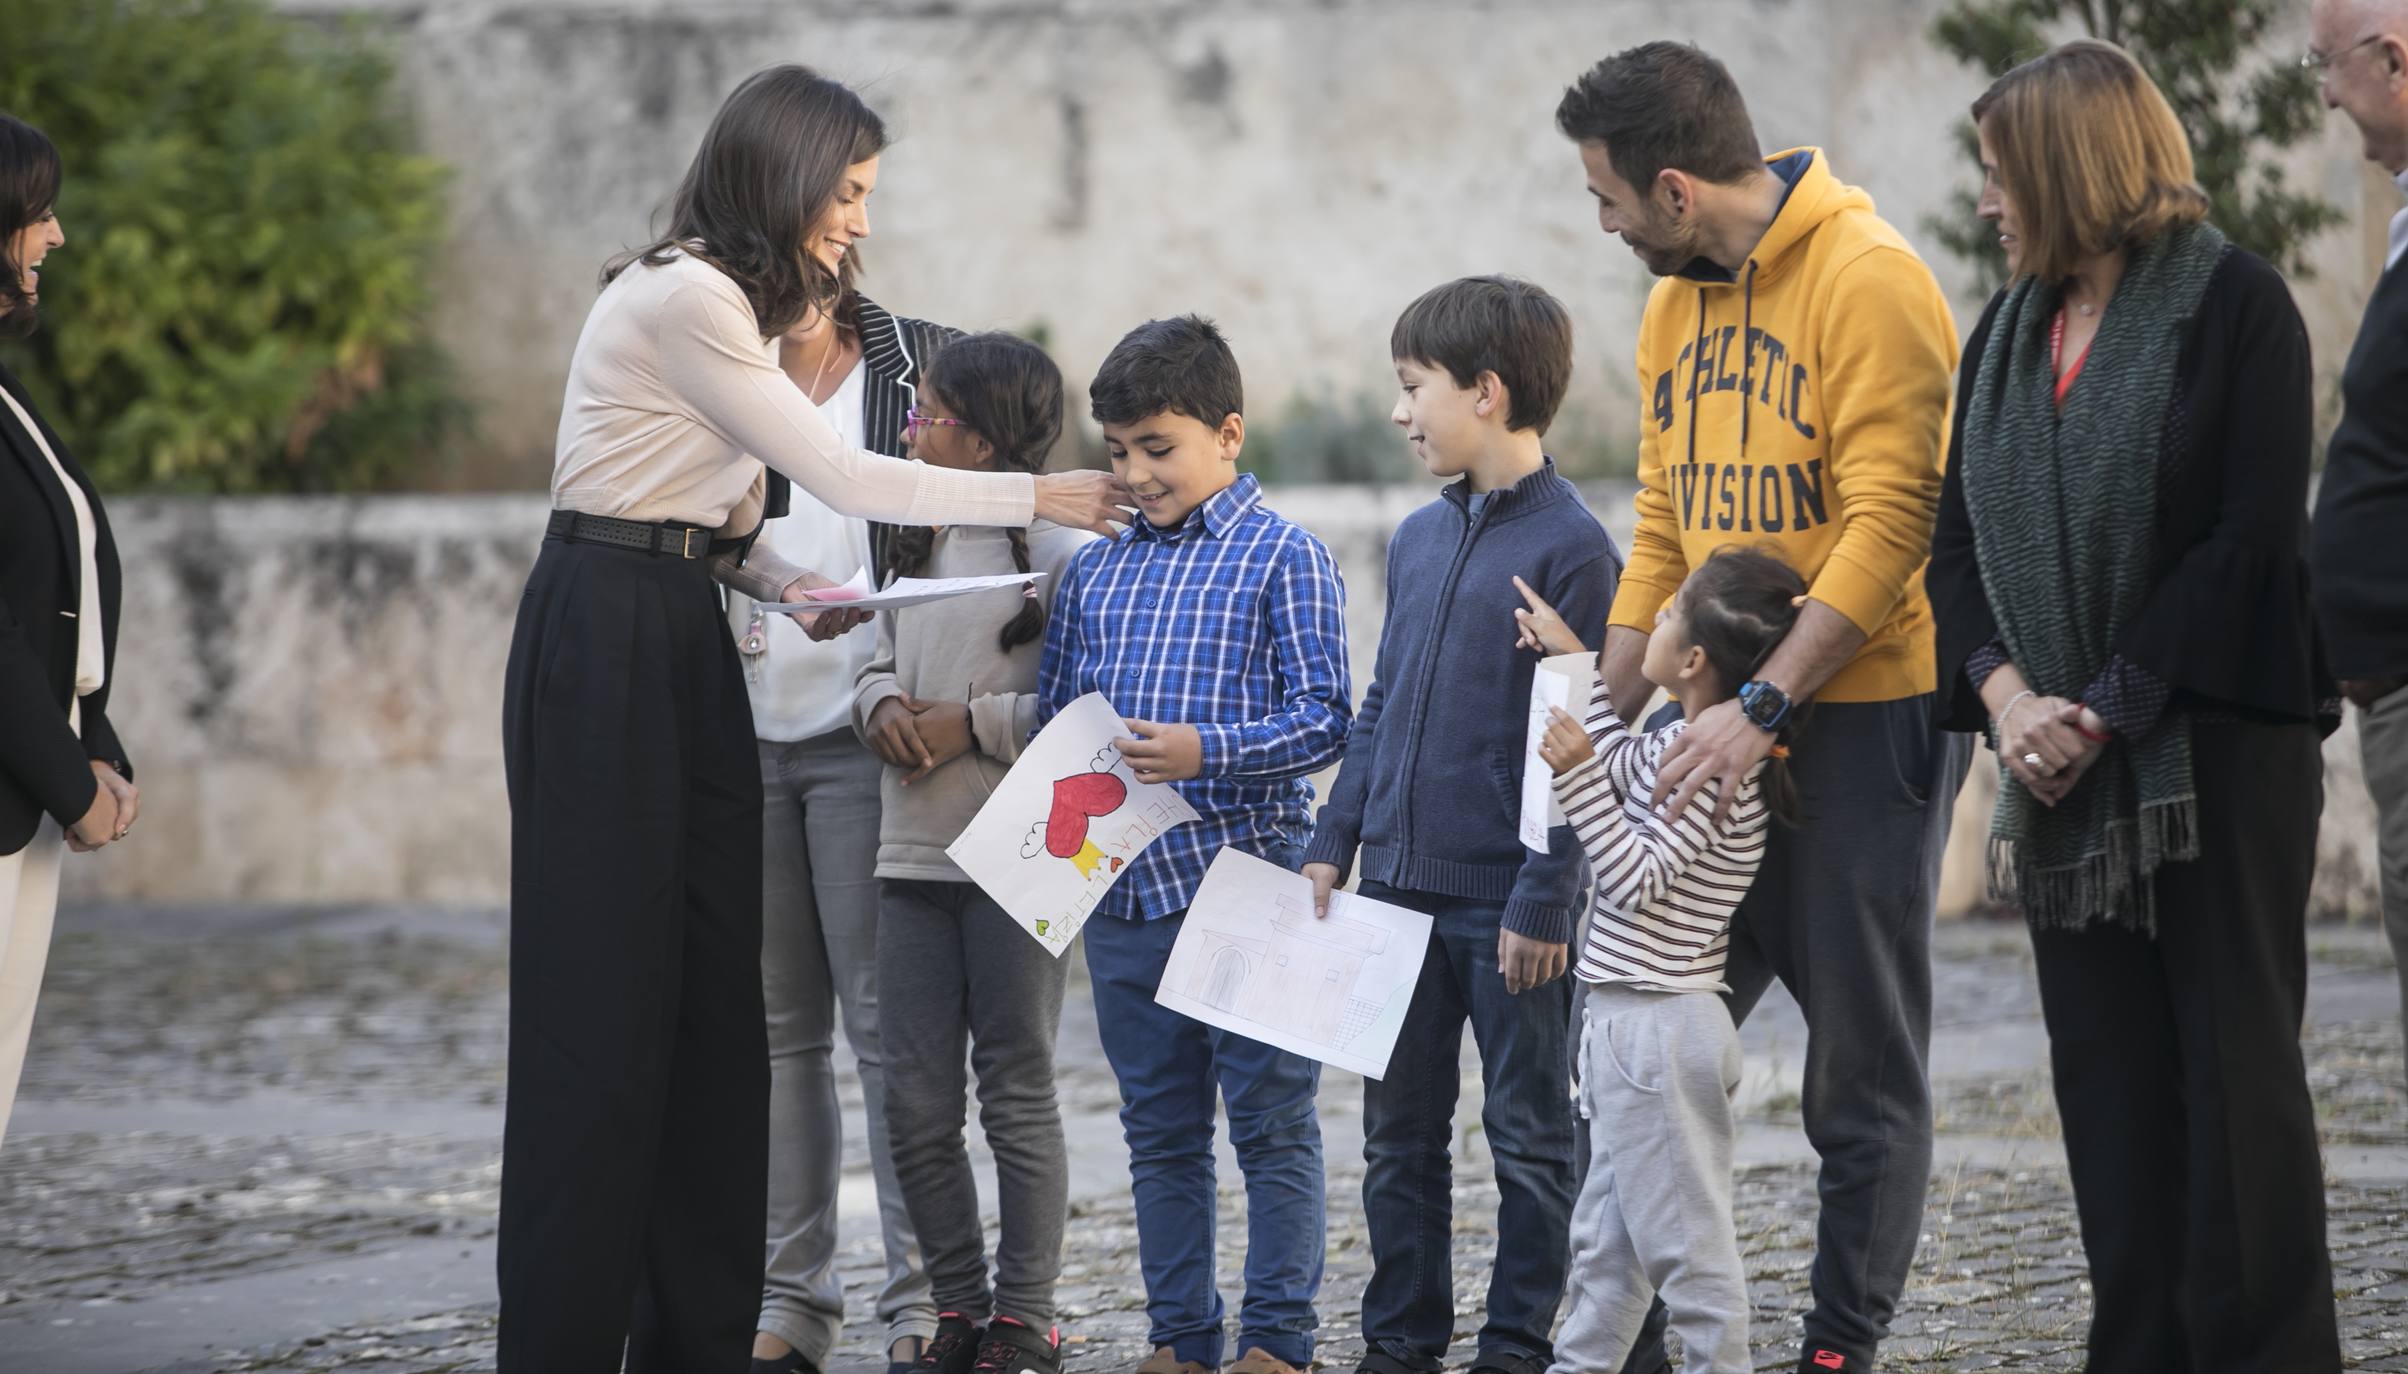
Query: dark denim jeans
(1169, 1069)
(1408, 1126)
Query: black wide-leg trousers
(2189, 1130)
(635, 1146)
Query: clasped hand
(921, 736)
(2042, 740)
(111, 816)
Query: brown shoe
(1164, 1361)
(1260, 1361)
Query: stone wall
(311, 690)
(1299, 171)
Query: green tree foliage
(241, 304)
(2204, 54)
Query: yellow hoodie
(1820, 438)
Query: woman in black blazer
(64, 781)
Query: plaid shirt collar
(1221, 512)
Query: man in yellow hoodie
(1795, 364)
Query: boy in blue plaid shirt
(1218, 629)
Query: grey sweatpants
(960, 974)
(819, 953)
(1656, 1074)
(2383, 745)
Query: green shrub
(2239, 104)
(241, 304)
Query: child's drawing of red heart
(1076, 800)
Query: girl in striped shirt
(1659, 1055)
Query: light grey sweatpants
(2383, 745)
(819, 953)
(1656, 1074)
(975, 980)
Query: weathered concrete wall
(1298, 170)
(311, 690)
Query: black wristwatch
(1766, 706)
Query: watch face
(1764, 705)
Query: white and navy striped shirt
(1666, 888)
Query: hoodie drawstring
(1747, 361)
(1697, 371)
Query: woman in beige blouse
(634, 1151)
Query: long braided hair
(1010, 394)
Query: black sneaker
(1506, 1360)
(1821, 1359)
(952, 1350)
(1015, 1347)
(1395, 1357)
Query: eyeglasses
(914, 420)
(2319, 63)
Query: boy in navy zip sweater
(1430, 797)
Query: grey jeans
(819, 952)
(973, 979)
(2383, 745)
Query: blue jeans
(1408, 1126)
(1169, 1067)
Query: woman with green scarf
(2117, 580)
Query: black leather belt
(677, 541)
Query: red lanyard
(2056, 356)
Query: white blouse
(91, 659)
(675, 401)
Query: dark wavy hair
(1007, 391)
(1663, 104)
(29, 190)
(1740, 604)
(769, 167)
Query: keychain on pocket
(754, 644)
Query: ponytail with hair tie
(1740, 604)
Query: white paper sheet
(856, 593)
(1565, 680)
(1065, 823)
(1252, 959)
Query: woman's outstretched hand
(820, 625)
(1084, 500)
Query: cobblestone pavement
(284, 1136)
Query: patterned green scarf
(2064, 510)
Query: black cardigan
(44, 767)
(2228, 622)
(2360, 555)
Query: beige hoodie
(949, 651)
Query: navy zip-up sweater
(1430, 790)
